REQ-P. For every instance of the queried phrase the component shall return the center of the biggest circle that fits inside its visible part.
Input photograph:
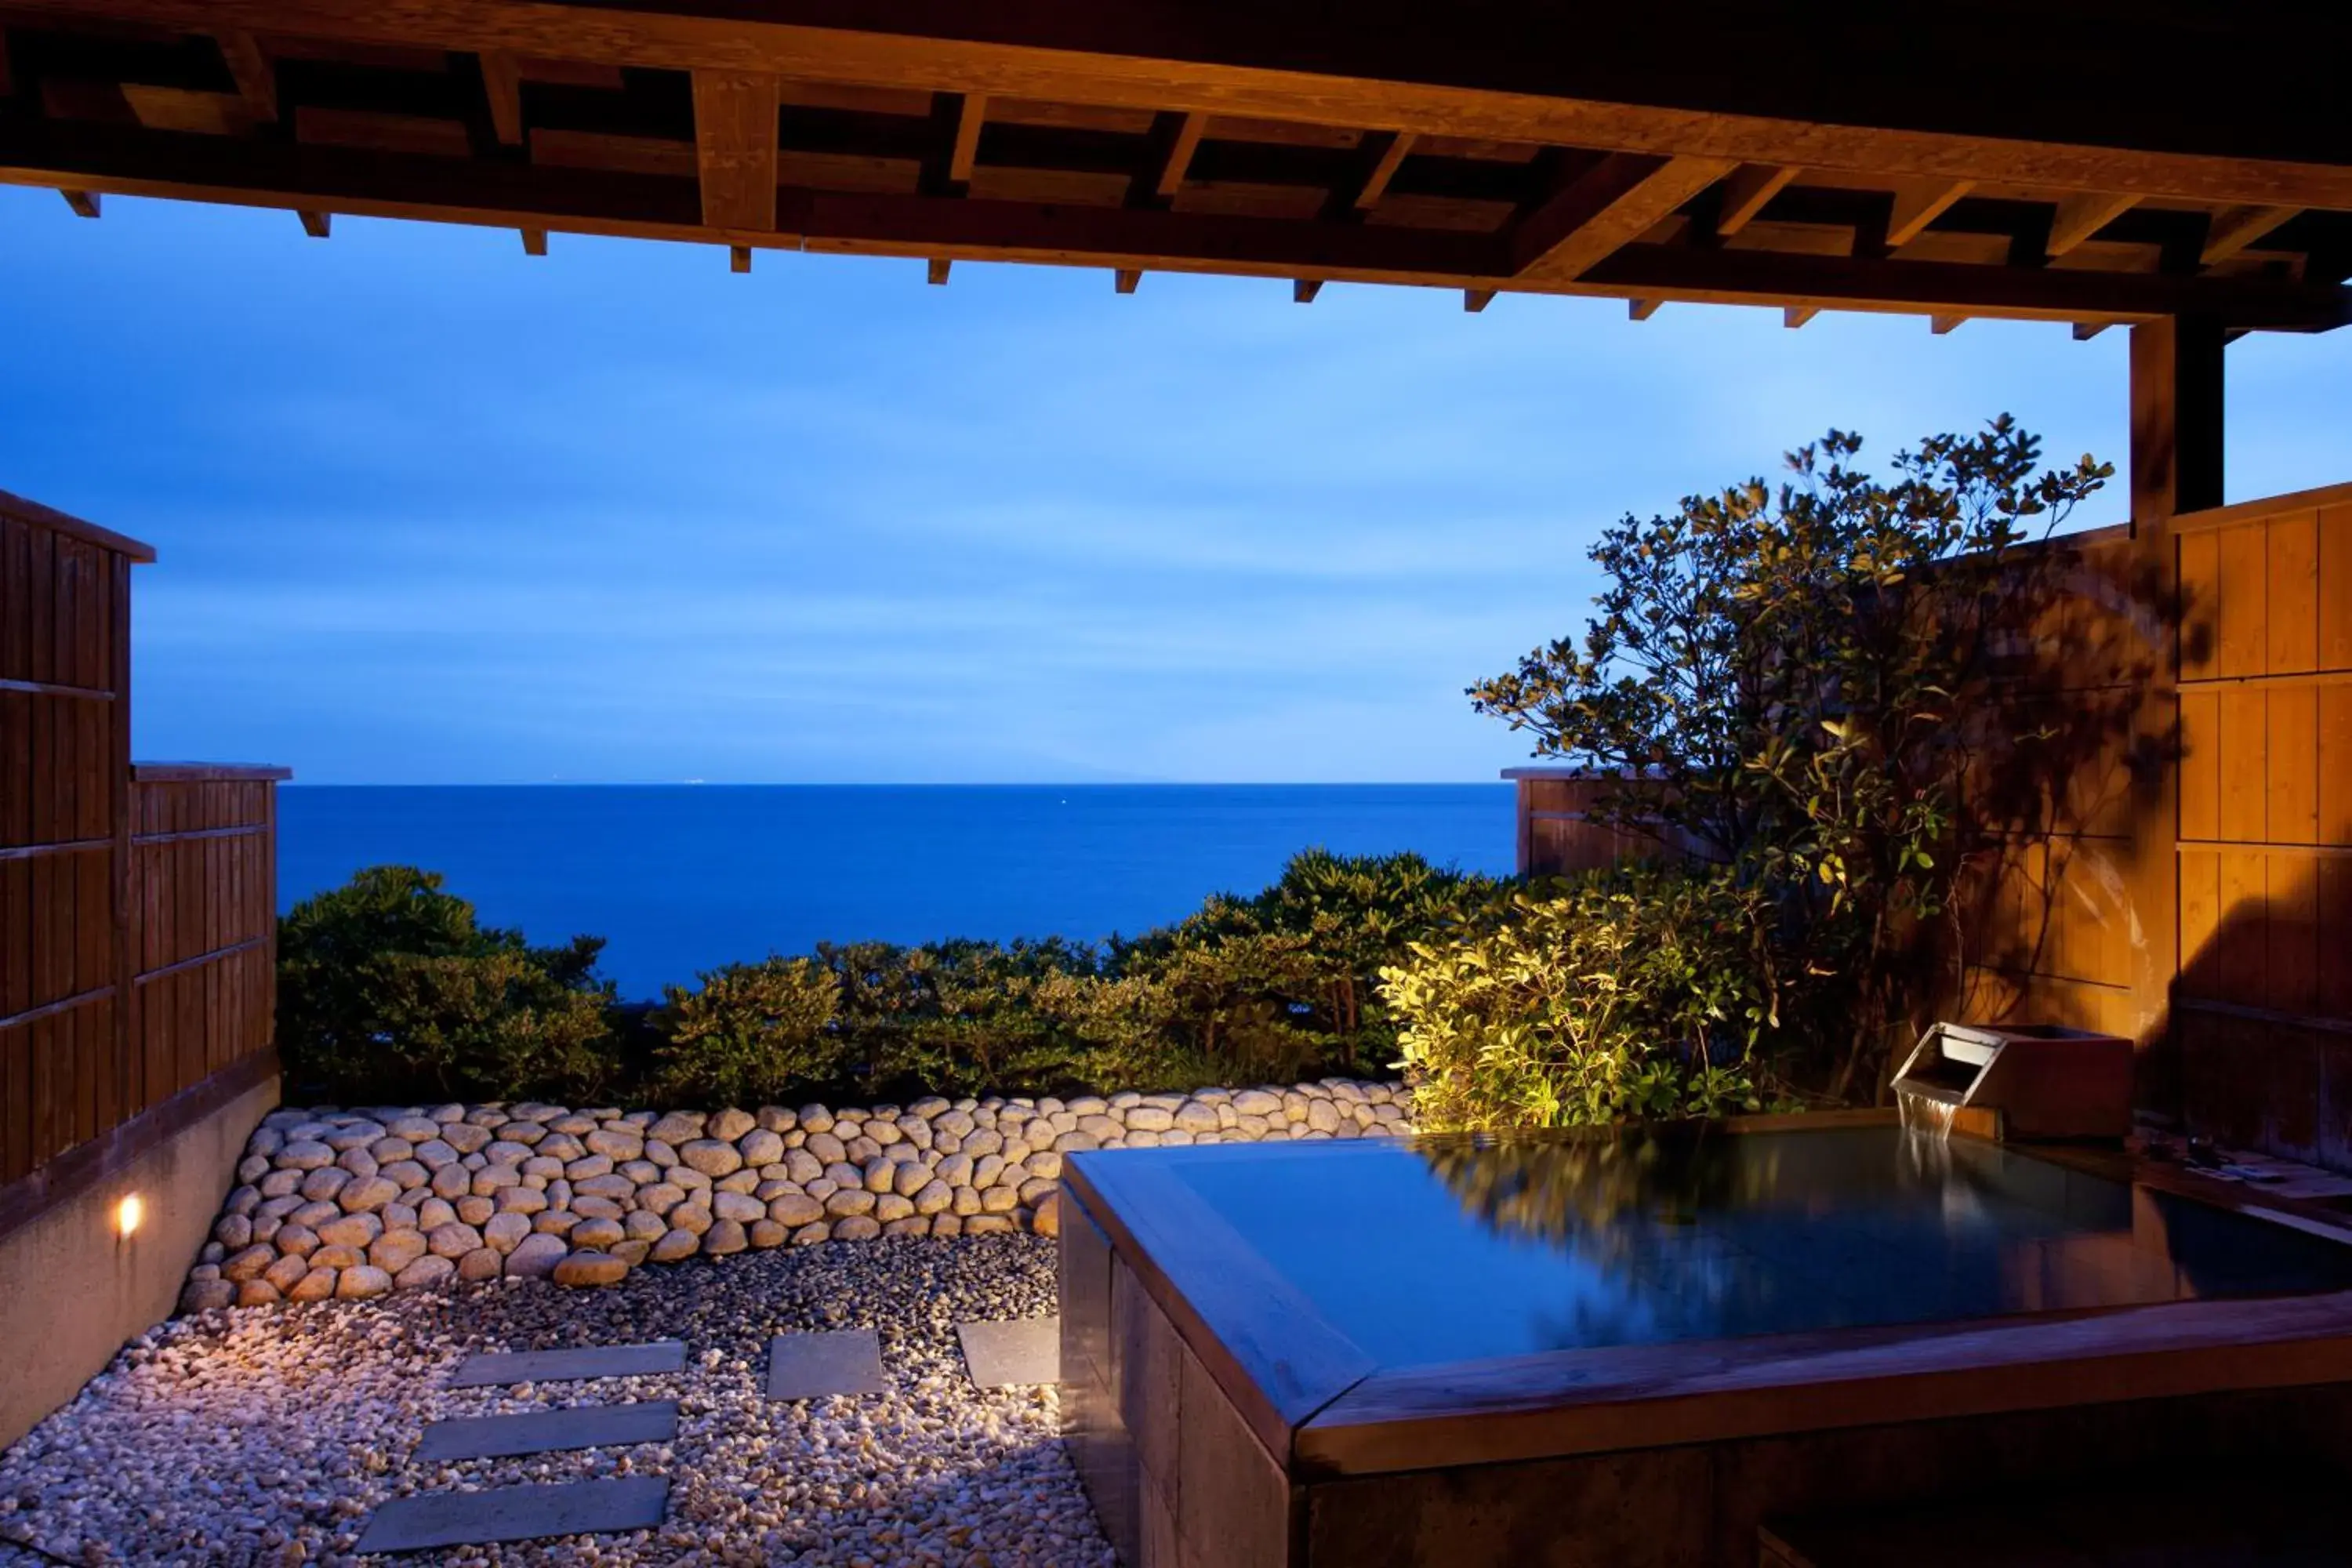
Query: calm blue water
(681, 878)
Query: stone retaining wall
(359, 1202)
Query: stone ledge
(355, 1204)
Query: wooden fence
(137, 905)
(2263, 1006)
(2186, 878)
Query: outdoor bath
(1640, 1347)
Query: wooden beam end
(316, 225)
(937, 270)
(534, 242)
(1304, 290)
(2086, 330)
(1796, 316)
(738, 259)
(1941, 325)
(1642, 309)
(1125, 280)
(84, 203)
(1476, 299)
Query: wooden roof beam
(1944, 326)
(1389, 149)
(1476, 299)
(1919, 204)
(84, 203)
(1795, 316)
(2086, 330)
(1175, 138)
(265, 171)
(1747, 191)
(1990, 113)
(2080, 217)
(2233, 231)
(534, 242)
(1642, 309)
(738, 259)
(1125, 278)
(735, 148)
(1303, 290)
(317, 225)
(249, 68)
(935, 271)
(972, 113)
(502, 85)
(1604, 208)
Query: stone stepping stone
(809, 1366)
(564, 1366)
(550, 1431)
(1013, 1354)
(517, 1513)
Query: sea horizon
(680, 877)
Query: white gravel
(268, 1435)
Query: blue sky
(429, 510)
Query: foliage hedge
(391, 989)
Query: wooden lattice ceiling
(2077, 160)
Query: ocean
(680, 879)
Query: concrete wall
(72, 1292)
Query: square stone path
(517, 1513)
(550, 1431)
(563, 1366)
(1009, 1355)
(809, 1366)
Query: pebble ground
(267, 1435)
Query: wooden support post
(2176, 418)
(2175, 467)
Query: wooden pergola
(2091, 162)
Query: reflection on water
(1446, 1249)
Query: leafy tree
(391, 989)
(1803, 685)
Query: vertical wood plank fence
(65, 827)
(204, 919)
(138, 905)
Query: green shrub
(961, 1017)
(390, 989)
(393, 991)
(1638, 993)
(749, 1033)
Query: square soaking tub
(1633, 1346)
